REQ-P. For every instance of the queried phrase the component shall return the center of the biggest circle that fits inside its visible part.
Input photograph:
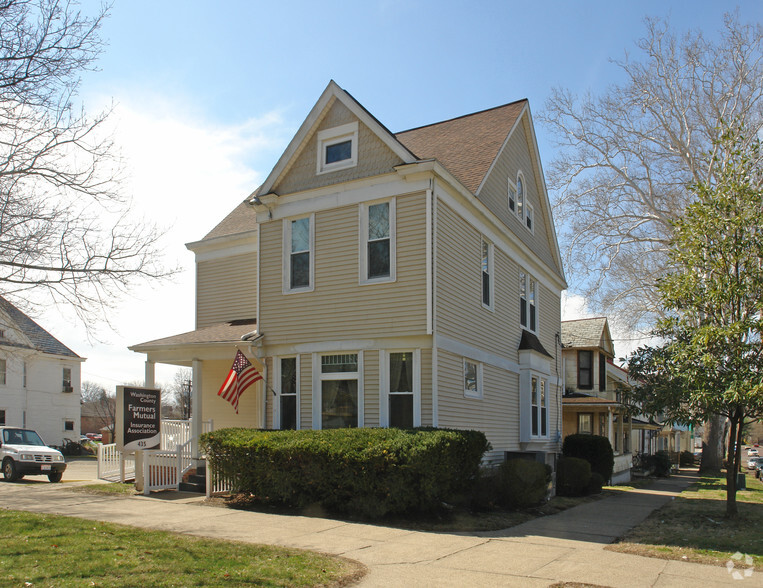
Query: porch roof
(589, 401)
(220, 333)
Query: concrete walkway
(564, 547)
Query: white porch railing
(217, 484)
(162, 468)
(113, 466)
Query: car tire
(55, 477)
(10, 473)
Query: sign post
(138, 418)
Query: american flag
(242, 375)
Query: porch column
(630, 434)
(196, 409)
(620, 433)
(150, 379)
(610, 428)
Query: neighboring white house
(39, 378)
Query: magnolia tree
(711, 361)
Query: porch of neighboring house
(591, 415)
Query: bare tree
(180, 390)
(65, 235)
(100, 404)
(628, 155)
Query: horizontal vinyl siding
(426, 387)
(496, 413)
(213, 374)
(339, 308)
(371, 387)
(374, 157)
(494, 194)
(305, 391)
(460, 313)
(226, 289)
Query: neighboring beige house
(592, 392)
(39, 378)
(382, 279)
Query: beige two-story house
(383, 279)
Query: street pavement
(566, 547)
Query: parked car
(23, 452)
(752, 451)
(754, 462)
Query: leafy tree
(628, 155)
(712, 360)
(65, 234)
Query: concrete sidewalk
(564, 547)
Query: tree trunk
(731, 474)
(711, 446)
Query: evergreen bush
(595, 449)
(573, 475)
(686, 459)
(660, 463)
(522, 483)
(366, 472)
(596, 483)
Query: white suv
(23, 452)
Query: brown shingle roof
(466, 146)
(583, 332)
(228, 332)
(243, 218)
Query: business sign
(138, 418)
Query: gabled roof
(589, 332)
(227, 332)
(38, 338)
(466, 146)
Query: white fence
(113, 466)
(217, 484)
(162, 468)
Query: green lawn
(693, 528)
(50, 550)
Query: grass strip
(693, 528)
(53, 550)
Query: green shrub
(367, 472)
(686, 459)
(596, 483)
(595, 449)
(516, 483)
(660, 463)
(573, 475)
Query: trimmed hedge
(660, 462)
(523, 482)
(573, 476)
(595, 449)
(368, 472)
(686, 459)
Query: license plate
(45, 468)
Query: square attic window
(337, 148)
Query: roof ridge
(462, 116)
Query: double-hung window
(298, 245)
(521, 197)
(528, 296)
(339, 376)
(67, 380)
(585, 369)
(539, 407)
(602, 372)
(287, 406)
(529, 216)
(585, 423)
(512, 196)
(401, 393)
(472, 379)
(487, 274)
(377, 242)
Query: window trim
(539, 423)
(384, 384)
(511, 196)
(521, 196)
(328, 137)
(363, 241)
(591, 432)
(530, 217)
(277, 381)
(319, 377)
(527, 280)
(467, 393)
(490, 274)
(286, 255)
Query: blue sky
(208, 95)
